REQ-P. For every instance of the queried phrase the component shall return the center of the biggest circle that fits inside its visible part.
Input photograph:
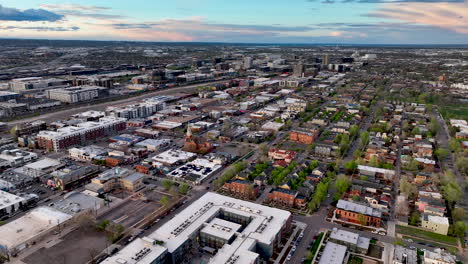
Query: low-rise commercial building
(116, 179)
(16, 157)
(195, 171)
(87, 153)
(30, 228)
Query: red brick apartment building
(74, 135)
(241, 187)
(286, 197)
(355, 213)
(306, 136)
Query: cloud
(13, 14)
(442, 15)
(41, 28)
(95, 12)
(193, 23)
(73, 7)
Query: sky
(240, 21)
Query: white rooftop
(221, 228)
(8, 199)
(173, 156)
(438, 219)
(43, 164)
(333, 254)
(141, 250)
(266, 223)
(350, 238)
(34, 223)
(378, 170)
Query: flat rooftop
(8, 199)
(221, 228)
(333, 254)
(34, 223)
(141, 250)
(265, 224)
(173, 156)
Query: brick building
(306, 136)
(358, 214)
(242, 187)
(74, 135)
(286, 197)
(196, 144)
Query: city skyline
(298, 21)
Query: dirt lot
(77, 247)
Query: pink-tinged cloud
(450, 16)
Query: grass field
(426, 235)
(459, 111)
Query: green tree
(441, 153)
(164, 201)
(458, 229)
(353, 131)
(407, 188)
(452, 191)
(101, 226)
(434, 126)
(342, 184)
(458, 214)
(184, 188)
(357, 154)
(415, 218)
(351, 166)
(365, 138)
(454, 145)
(338, 138)
(167, 184)
(462, 165)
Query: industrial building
(232, 230)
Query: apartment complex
(235, 231)
(69, 136)
(358, 214)
(76, 94)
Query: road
(443, 137)
(63, 114)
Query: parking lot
(77, 247)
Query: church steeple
(189, 132)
